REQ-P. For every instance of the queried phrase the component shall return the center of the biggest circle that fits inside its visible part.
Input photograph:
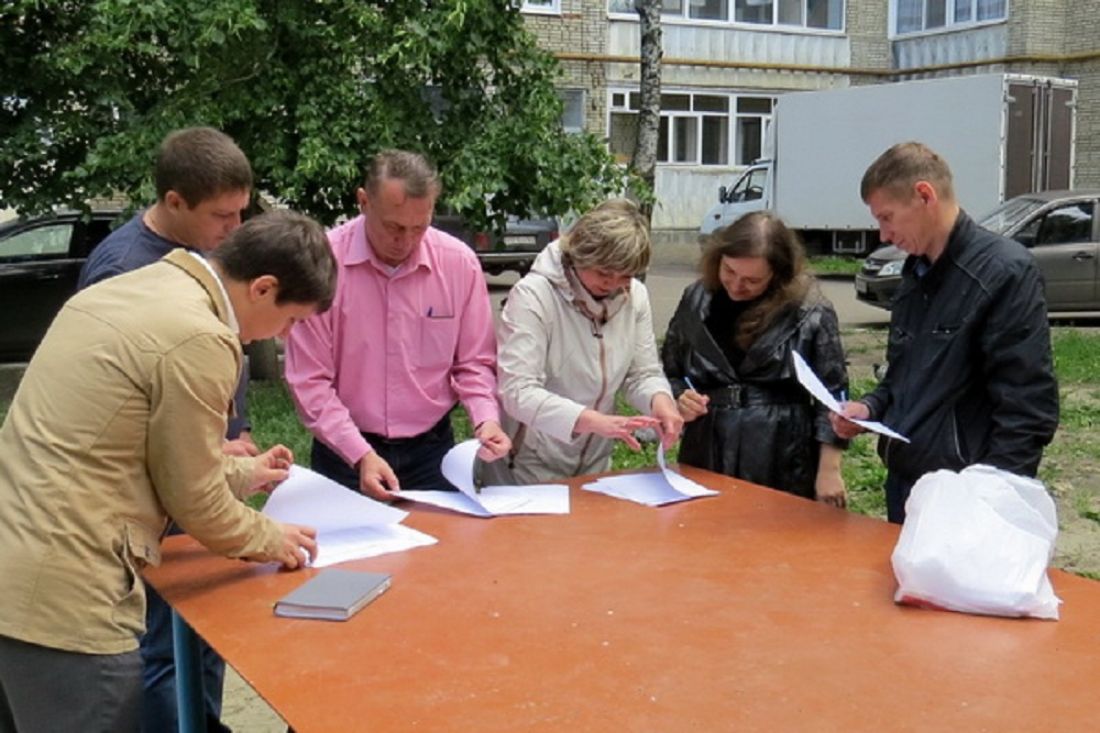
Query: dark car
(41, 257)
(516, 249)
(1060, 228)
(40, 260)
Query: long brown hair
(760, 234)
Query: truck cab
(749, 193)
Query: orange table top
(752, 610)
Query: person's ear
(265, 286)
(173, 201)
(362, 198)
(926, 192)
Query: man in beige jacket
(118, 425)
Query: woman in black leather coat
(727, 355)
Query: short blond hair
(898, 170)
(612, 236)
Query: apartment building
(726, 61)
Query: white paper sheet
(651, 489)
(458, 468)
(813, 385)
(349, 525)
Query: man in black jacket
(971, 377)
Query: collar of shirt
(362, 253)
(233, 323)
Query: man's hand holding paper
(813, 385)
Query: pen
(687, 381)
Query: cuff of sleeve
(481, 410)
(238, 474)
(351, 446)
(643, 402)
(872, 407)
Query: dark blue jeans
(416, 461)
(897, 492)
(158, 704)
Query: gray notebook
(333, 594)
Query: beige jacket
(554, 361)
(118, 424)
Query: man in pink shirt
(409, 335)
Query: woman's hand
(692, 405)
(672, 422)
(616, 427)
(829, 486)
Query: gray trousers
(43, 690)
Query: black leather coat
(761, 425)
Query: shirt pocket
(940, 342)
(140, 547)
(438, 339)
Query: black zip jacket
(970, 376)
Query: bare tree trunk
(644, 163)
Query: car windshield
(1011, 212)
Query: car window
(50, 240)
(751, 187)
(1066, 225)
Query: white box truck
(1002, 135)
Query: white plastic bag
(978, 541)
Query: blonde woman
(576, 330)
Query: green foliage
(834, 265)
(1076, 355)
(460, 424)
(310, 89)
(864, 477)
(625, 457)
(274, 419)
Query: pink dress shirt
(396, 351)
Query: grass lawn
(1076, 358)
(834, 265)
(274, 421)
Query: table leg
(189, 691)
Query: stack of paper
(490, 501)
(349, 525)
(651, 489)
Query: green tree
(309, 89)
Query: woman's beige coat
(555, 360)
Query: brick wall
(1037, 26)
(866, 23)
(1083, 36)
(580, 28)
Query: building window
(541, 6)
(823, 14)
(695, 128)
(914, 16)
(572, 112)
